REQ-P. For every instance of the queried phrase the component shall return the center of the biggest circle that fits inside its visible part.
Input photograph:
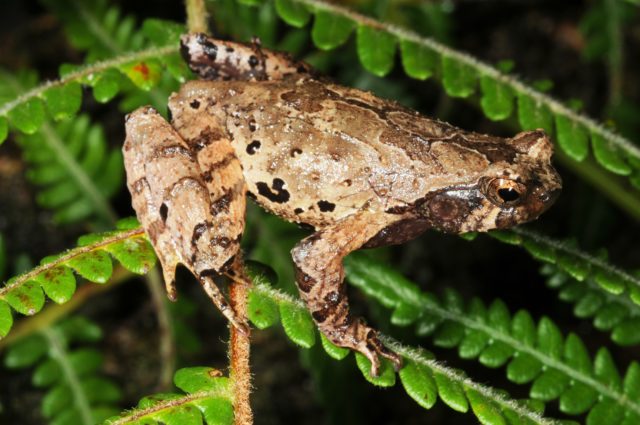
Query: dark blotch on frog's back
(279, 194)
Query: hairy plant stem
(240, 347)
(197, 16)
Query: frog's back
(315, 152)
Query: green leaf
(549, 338)
(293, 13)
(58, 398)
(610, 282)
(135, 254)
(25, 352)
(419, 384)
(162, 32)
(533, 115)
(451, 393)
(606, 412)
(449, 335)
(183, 415)
(27, 298)
(95, 266)
(609, 156)
(47, 373)
(418, 61)
(216, 411)
(335, 352)
(540, 251)
(330, 31)
(523, 368)
(458, 79)
(497, 98)
(549, 385)
(27, 116)
(523, 328)
(572, 138)
(262, 310)
(496, 354)
(627, 332)
(631, 383)
(58, 283)
(577, 399)
(4, 129)
(376, 50)
(609, 316)
(472, 344)
(106, 86)
(605, 369)
(387, 376)
(196, 379)
(85, 361)
(63, 101)
(485, 411)
(575, 266)
(144, 74)
(405, 314)
(298, 325)
(588, 305)
(6, 319)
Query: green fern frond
(76, 393)
(24, 105)
(559, 367)
(462, 76)
(91, 260)
(97, 27)
(73, 167)
(423, 378)
(207, 396)
(578, 264)
(610, 313)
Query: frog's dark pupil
(508, 194)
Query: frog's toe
(376, 348)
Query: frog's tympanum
(362, 171)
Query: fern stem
(417, 356)
(170, 404)
(117, 237)
(58, 352)
(103, 208)
(86, 71)
(614, 53)
(165, 328)
(481, 68)
(608, 184)
(416, 300)
(239, 349)
(197, 16)
(95, 27)
(560, 246)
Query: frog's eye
(505, 192)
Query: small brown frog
(362, 171)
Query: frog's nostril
(550, 197)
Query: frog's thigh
(221, 172)
(319, 276)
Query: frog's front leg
(214, 59)
(319, 276)
(184, 222)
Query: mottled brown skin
(362, 171)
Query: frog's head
(515, 189)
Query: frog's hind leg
(185, 222)
(214, 59)
(218, 239)
(319, 276)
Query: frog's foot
(360, 337)
(223, 305)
